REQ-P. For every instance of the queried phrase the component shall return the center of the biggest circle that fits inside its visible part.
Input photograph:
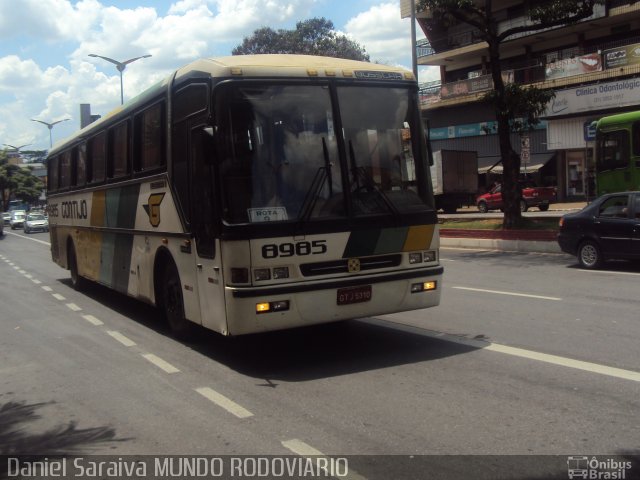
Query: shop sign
(601, 96)
(573, 66)
(622, 56)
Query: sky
(46, 71)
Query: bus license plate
(350, 295)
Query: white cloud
(386, 37)
(69, 30)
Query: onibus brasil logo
(594, 468)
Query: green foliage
(18, 183)
(315, 36)
(510, 101)
(521, 102)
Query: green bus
(618, 153)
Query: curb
(529, 246)
(535, 241)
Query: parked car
(6, 218)
(532, 196)
(607, 228)
(36, 222)
(17, 219)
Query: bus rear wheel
(173, 303)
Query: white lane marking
(57, 296)
(517, 352)
(127, 342)
(513, 294)
(28, 275)
(16, 267)
(304, 450)
(73, 307)
(93, 320)
(47, 289)
(28, 238)
(23, 272)
(224, 402)
(36, 281)
(160, 363)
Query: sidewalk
(509, 240)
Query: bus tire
(173, 303)
(77, 281)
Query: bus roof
(619, 119)
(245, 66)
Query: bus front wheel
(173, 304)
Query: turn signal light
(277, 306)
(423, 286)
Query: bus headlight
(281, 272)
(430, 256)
(415, 257)
(262, 274)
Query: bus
(618, 153)
(254, 193)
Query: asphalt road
(526, 355)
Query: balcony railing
(457, 38)
(559, 65)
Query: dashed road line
(224, 402)
(47, 289)
(127, 342)
(305, 450)
(57, 296)
(513, 294)
(73, 307)
(93, 320)
(160, 363)
(36, 281)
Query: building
(593, 67)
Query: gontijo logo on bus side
(153, 208)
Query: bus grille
(342, 266)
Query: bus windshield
(280, 156)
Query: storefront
(570, 116)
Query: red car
(532, 196)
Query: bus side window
(149, 138)
(118, 159)
(65, 169)
(52, 175)
(81, 165)
(96, 165)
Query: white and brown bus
(254, 193)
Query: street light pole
(50, 127)
(120, 66)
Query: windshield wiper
(311, 198)
(368, 182)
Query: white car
(17, 219)
(36, 222)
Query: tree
(18, 183)
(510, 101)
(315, 36)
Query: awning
(535, 163)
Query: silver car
(36, 222)
(17, 219)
